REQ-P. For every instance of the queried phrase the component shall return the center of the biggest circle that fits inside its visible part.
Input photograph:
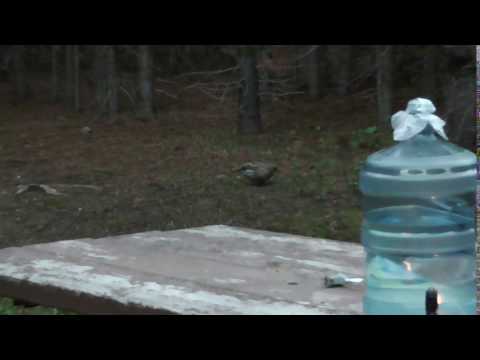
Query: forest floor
(177, 170)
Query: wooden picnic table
(208, 270)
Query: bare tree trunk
(19, 77)
(296, 64)
(100, 80)
(460, 109)
(266, 76)
(54, 79)
(249, 116)
(172, 59)
(5, 62)
(313, 77)
(145, 80)
(69, 76)
(384, 84)
(429, 76)
(76, 78)
(340, 64)
(112, 81)
(106, 80)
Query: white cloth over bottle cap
(419, 113)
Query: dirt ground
(176, 171)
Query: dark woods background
(153, 133)
(108, 80)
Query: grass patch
(8, 307)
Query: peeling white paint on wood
(65, 275)
(106, 257)
(248, 253)
(77, 244)
(154, 238)
(222, 231)
(173, 298)
(90, 250)
(322, 265)
(229, 281)
(195, 271)
(185, 301)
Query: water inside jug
(418, 227)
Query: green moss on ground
(8, 307)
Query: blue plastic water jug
(419, 219)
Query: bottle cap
(418, 115)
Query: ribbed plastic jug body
(419, 226)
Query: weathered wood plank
(210, 270)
